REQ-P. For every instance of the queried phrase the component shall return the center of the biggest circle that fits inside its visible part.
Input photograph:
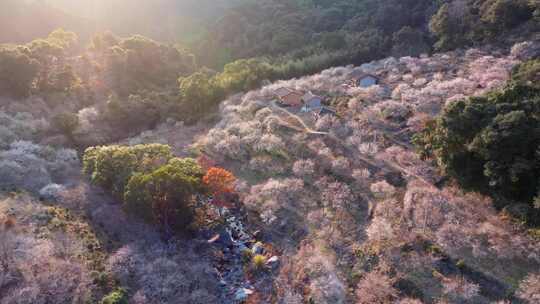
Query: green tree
(133, 113)
(448, 25)
(17, 71)
(244, 74)
(528, 73)
(111, 167)
(65, 39)
(165, 196)
(332, 40)
(66, 123)
(118, 296)
(505, 14)
(199, 94)
(490, 143)
(409, 42)
(102, 42)
(64, 79)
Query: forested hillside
(270, 152)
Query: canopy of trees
(464, 22)
(154, 185)
(17, 71)
(491, 143)
(164, 196)
(111, 167)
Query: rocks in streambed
(243, 265)
(242, 294)
(257, 248)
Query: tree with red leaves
(220, 182)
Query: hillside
(347, 202)
(270, 152)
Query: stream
(233, 240)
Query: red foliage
(219, 181)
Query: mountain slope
(354, 206)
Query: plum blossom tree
(341, 166)
(460, 289)
(380, 230)
(382, 189)
(31, 167)
(529, 289)
(162, 273)
(375, 287)
(304, 168)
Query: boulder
(242, 294)
(273, 262)
(257, 248)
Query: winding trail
(305, 128)
(381, 164)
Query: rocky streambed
(235, 246)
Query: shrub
(111, 167)
(258, 262)
(65, 123)
(164, 196)
(219, 181)
(528, 73)
(119, 296)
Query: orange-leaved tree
(219, 181)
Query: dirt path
(381, 164)
(305, 128)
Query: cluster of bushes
(28, 166)
(38, 65)
(153, 184)
(490, 143)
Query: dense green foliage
(137, 62)
(17, 71)
(65, 123)
(39, 65)
(528, 73)
(133, 113)
(152, 184)
(111, 167)
(459, 23)
(164, 196)
(491, 144)
(297, 29)
(118, 296)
